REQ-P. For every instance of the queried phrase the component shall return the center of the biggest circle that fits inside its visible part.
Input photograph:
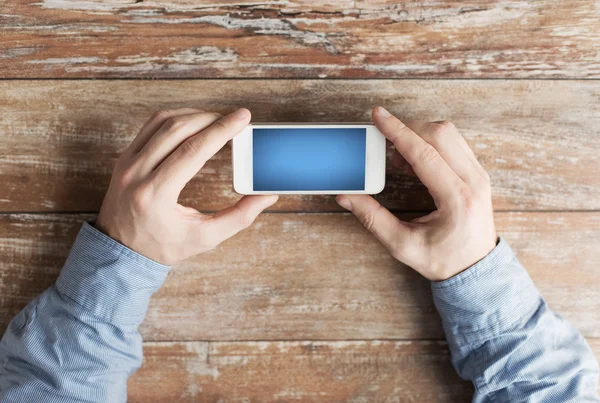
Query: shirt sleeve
(505, 339)
(78, 341)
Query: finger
(153, 124)
(469, 150)
(451, 145)
(441, 181)
(185, 162)
(169, 136)
(461, 140)
(226, 223)
(390, 231)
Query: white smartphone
(296, 158)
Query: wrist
(471, 259)
(101, 227)
(126, 237)
(487, 298)
(108, 279)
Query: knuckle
(191, 147)
(465, 197)
(447, 126)
(175, 123)
(161, 114)
(399, 125)
(443, 129)
(426, 154)
(121, 163)
(125, 176)
(369, 217)
(142, 198)
(220, 124)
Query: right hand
(461, 231)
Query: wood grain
(310, 276)
(342, 371)
(339, 319)
(540, 140)
(300, 39)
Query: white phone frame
(374, 164)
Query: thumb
(228, 222)
(384, 225)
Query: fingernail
(382, 112)
(241, 113)
(344, 202)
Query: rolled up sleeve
(78, 341)
(505, 339)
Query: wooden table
(305, 305)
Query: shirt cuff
(492, 296)
(111, 281)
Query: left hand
(140, 208)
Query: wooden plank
(310, 276)
(357, 371)
(338, 371)
(273, 38)
(540, 140)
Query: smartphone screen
(308, 159)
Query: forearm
(78, 341)
(505, 339)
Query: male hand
(461, 231)
(140, 208)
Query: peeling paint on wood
(319, 318)
(283, 38)
(263, 285)
(540, 140)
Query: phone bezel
(374, 164)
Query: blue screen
(309, 159)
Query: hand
(461, 231)
(140, 208)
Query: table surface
(305, 305)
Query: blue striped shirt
(78, 341)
